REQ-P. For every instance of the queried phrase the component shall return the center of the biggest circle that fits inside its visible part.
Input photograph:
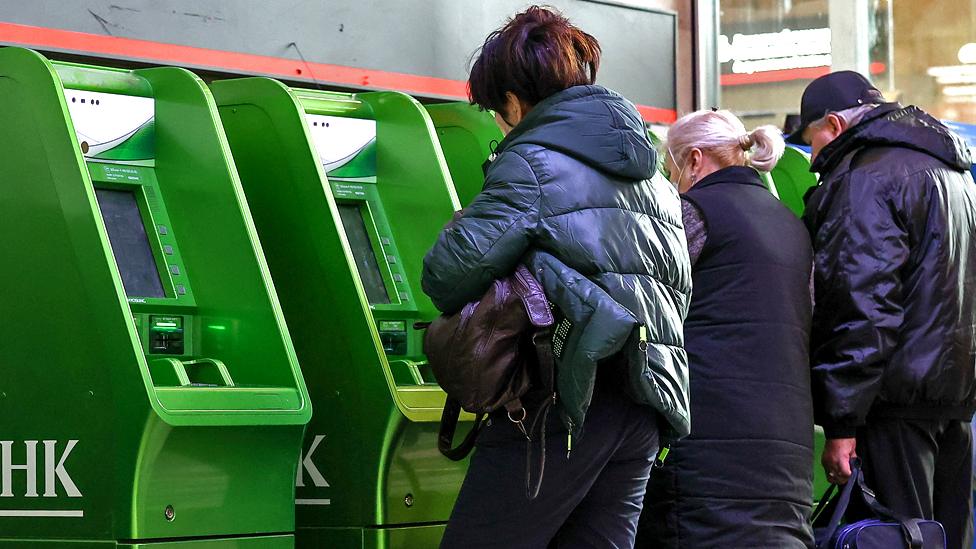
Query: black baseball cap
(831, 93)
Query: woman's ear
(694, 160)
(513, 108)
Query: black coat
(574, 190)
(743, 478)
(893, 224)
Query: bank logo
(306, 464)
(42, 461)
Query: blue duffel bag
(885, 530)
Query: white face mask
(676, 181)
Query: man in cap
(893, 223)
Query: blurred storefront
(917, 52)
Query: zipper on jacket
(662, 455)
(569, 439)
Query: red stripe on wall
(245, 63)
(654, 114)
(786, 75)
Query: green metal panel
(370, 462)
(467, 135)
(262, 542)
(408, 537)
(114, 443)
(792, 178)
(820, 483)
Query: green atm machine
(348, 192)
(468, 136)
(150, 393)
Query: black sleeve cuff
(840, 431)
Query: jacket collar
(538, 112)
(742, 175)
(836, 150)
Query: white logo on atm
(50, 463)
(307, 465)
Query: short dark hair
(536, 54)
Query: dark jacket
(746, 335)
(573, 191)
(894, 231)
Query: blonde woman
(743, 477)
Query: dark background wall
(421, 37)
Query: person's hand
(836, 459)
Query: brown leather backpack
(494, 354)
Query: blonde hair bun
(723, 136)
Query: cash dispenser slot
(198, 372)
(412, 372)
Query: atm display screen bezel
(152, 218)
(376, 247)
(154, 248)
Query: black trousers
(593, 499)
(922, 468)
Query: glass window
(769, 50)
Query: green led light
(166, 325)
(217, 327)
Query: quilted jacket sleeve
(488, 239)
(860, 248)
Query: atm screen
(362, 249)
(130, 244)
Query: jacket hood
(891, 125)
(594, 125)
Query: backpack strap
(542, 341)
(449, 421)
(533, 298)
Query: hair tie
(745, 141)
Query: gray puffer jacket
(573, 192)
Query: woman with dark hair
(573, 194)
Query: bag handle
(449, 421)
(843, 501)
(909, 526)
(822, 504)
(533, 298)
